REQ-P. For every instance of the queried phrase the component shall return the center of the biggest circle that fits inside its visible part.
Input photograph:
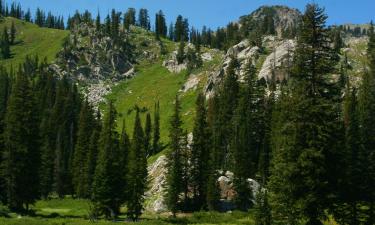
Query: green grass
(153, 83)
(74, 212)
(32, 40)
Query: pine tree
(129, 18)
(21, 157)
(213, 189)
(81, 151)
(148, 130)
(175, 173)
(98, 23)
(124, 154)
(307, 142)
(156, 130)
(247, 136)
(107, 186)
(181, 53)
(366, 118)
(4, 95)
(227, 102)
(200, 155)
(143, 19)
(5, 44)
(137, 172)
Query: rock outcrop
(96, 61)
(278, 61)
(157, 178)
(284, 18)
(155, 201)
(244, 53)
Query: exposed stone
(279, 60)
(206, 57)
(191, 83)
(244, 52)
(157, 178)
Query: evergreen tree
(148, 130)
(181, 53)
(5, 44)
(98, 23)
(108, 185)
(129, 18)
(366, 118)
(307, 142)
(21, 157)
(124, 151)
(81, 151)
(247, 138)
(143, 19)
(175, 172)
(92, 159)
(200, 155)
(137, 172)
(156, 130)
(160, 25)
(227, 102)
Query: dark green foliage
(181, 53)
(81, 151)
(124, 154)
(200, 154)
(175, 174)
(137, 172)
(5, 44)
(160, 25)
(306, 146)
(143, 19)
(108, 183)
(366, 120)
(21, 157)
(98, 24)
(129, 18)
(223, 129)
(194, 59)
(262, 208)
(248, 137)
(156, 130)
(181, 29)
(148, 130)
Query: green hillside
(153, 83)
(32, 40)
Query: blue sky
(212, 13)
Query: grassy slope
(153, 83)
(32, 40)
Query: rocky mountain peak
(282, 17)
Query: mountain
(138, 69)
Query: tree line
(308, 140)
(54, 143)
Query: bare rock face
(227, 192)
(191, 83)
(245, 54)
(94, 59)
(172, 65)
(279, 60)
(284, 18)
(157, 177)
